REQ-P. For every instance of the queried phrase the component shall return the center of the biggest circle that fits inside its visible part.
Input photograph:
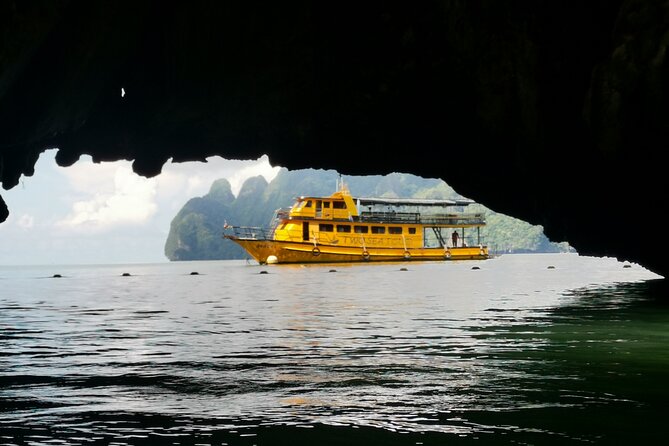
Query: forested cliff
(195, 232)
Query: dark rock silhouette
(552, 112)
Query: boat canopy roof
(413, 202)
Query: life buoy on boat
(365, 254)
(447, 254)
(407, 255)
(316, 251)
(482, 251)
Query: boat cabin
(338, 206)
(337, 220)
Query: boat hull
(274, 251)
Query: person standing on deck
(454, 238)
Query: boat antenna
(340, 184)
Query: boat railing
(278, 216)
(453, 219)
(250, 232)
(281, 213)
(390, 217)
(417, 218)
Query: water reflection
(507, 354)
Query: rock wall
(553, 112)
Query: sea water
(519, 349)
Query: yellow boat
(341, 228)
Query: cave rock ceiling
(556, 113)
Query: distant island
(195, 232)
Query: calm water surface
(526, 349)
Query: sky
(101, 213)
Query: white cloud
(119, 197)
(261, 168)
(85, 176)
(104, 212)
(195, 178)
(110, 194)
(25, 221)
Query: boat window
(325, 227)
(412, 230)
(338, 205)
(343, 228)
(360, 229)
(308, 205)
(326, 204)
(378, 229)
(394, 229)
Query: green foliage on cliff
(196, 231)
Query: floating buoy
(271, 260)
(125, 274)
(551, 267)
(475, 267)
(332, 271)
(194, 273)
(627, 266)
(263, 272)
(403, 269)
(56, 276)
